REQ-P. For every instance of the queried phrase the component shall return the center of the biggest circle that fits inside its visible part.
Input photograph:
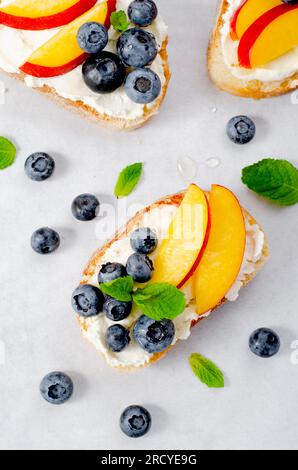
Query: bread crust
(221, 75)
(96, 258)
(104, 120)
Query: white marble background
(259, 407)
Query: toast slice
(221, 74)
(88, 325)
(118, 119)
(105, 120)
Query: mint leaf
(128, 179)
(119, 21)
(119, 289)
(273, 179)
(7, 153)
(160, 300)
(206, 371)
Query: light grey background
(258, 407)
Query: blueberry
(85, 207)
(142, 12)
(241, 129)
(117, 338)
(56, 388)
(264, 342)
(137, 48)
(154, 336)
(103, 72)
(87, 300)
(139, 267)
(142, 86)
(45, 240)
(116, 310)
(143, 240)
(111, 271)
(39, 166)
(135, 421)
(290, 2)
(92, 37)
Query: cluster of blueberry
(88, 300)
(40, 166)
(104, 71)
(57, 387)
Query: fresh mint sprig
(128, 179)
(7, 153)
(119, 21)
(160, 301)
(157, 300)
(206, 371)
(273, 179)
(119, 289)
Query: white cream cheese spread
(16, 45)
(159, 220)
(279, 69)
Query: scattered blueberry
(117, 338)
(142, 12)
(92, 37)
(143, 240)
(135, 421)
(290, 2)
(111, 271)
(241, 129)
(142, 86)
(154, 336)
(45, 240)
(87, 300)
(264, 342)
(139, 267)
(39, 166)
(116, 310)
(56, 388)
(103, 72)
(136, 47)
(85, 207)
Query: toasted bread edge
(223, 78)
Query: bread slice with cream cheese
(222, 74)
(158, 216)
(113, 109)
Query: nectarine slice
(271, 36)
(248, 12)
(61, 53)
(45, 14)
(223, 255)
(180, 251)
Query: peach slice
(45, 14)
(248, 12)
(61, 53)
(180, 252)
(271, 36)
(223, 255)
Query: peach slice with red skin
(45, 14)
(61, 53)
(271, 36)
(223, 255)
(181, 250)
(248, 12)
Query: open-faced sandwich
(105, 59)
(253, 51)
(171, 265)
